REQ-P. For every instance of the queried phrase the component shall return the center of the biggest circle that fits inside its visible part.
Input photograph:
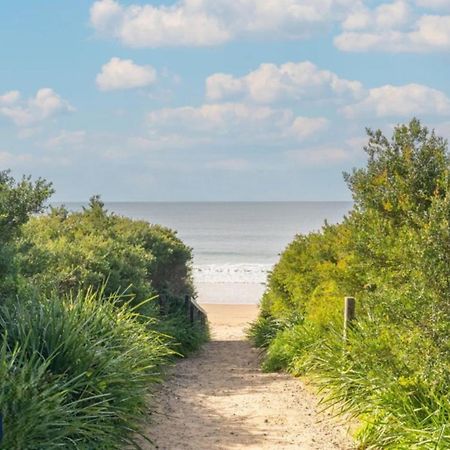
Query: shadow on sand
(196, 408)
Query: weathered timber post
(349, 314)
(191, 311)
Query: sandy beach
(229, 293)
(219, 399)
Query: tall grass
(184, 336)
(263, 330)
(370, 376)
(76, 371)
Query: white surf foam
(231, 273)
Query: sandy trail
(219, 399)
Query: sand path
(219, 399)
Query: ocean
(234, 242)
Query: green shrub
(93, 249)
(18, 201)
(70, 251)
(77, 360)
(392, 254)
(263, 330)
(372, 376)
(290, 347)
(184, 337)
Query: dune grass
(76, 371)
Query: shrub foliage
(82, 337)
(392, 252)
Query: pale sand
(229, 293)
(219, 399)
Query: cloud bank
(206, 23)
(44, 105)
(393, 26)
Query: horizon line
(204, 201)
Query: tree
(404, 175)
(18, 201)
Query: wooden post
(191, 312)
(349, 313)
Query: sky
(213, 100)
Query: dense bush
(18, 200)
(393, 253)
(67, 251)
(83, 336)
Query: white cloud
(206, 22)
(8, 159)
(304, 127)
(433, 33)
(44, 105)
(386, 16)
(9, 98)
(105, 14)
(221, 85)
(290, 81)
(47, 103)
(404, 101)
(228, 134)
(326, 154)
(393, 27)
(67, 139)
(319, 156)
(27, 162)
(124, 74)
(151, 26)
(215, 116)
(236, 121)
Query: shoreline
(229, 293)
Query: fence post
(191, 312)
(349, 313)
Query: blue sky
(213, 100)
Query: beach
(229, 293)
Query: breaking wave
(231, 273)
